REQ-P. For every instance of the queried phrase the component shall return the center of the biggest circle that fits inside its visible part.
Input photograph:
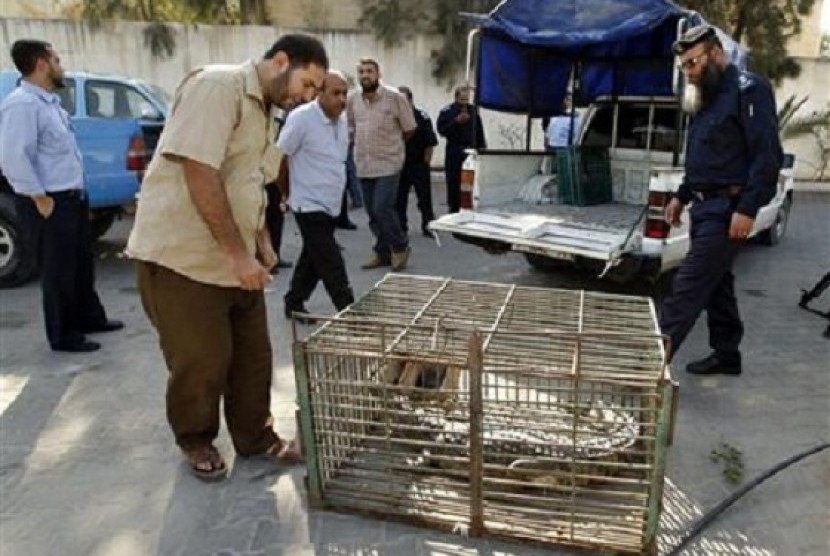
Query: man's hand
(45, 205)
(265, 253)
(673, 211)
(740, 226)
(462, 117)
(251, 275)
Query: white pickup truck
(510, 200)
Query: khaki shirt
(377, 127)
(219, 119)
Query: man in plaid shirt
(381, 120)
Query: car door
(105, 128)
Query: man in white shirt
(315, 142)
(563, 130)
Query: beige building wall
(315, 14)
(814, 83)
(807, 44)
(28, 8)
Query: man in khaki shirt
(380, 120)
(203, 253)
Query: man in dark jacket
(416, 168)
(461, 125)
(732, 164)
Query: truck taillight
(137, 155)
(656, 225)
(466, 180)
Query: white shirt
(559, 127)
(317, 147)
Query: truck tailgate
(600, 232)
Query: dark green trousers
(216, 346)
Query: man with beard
(380, 120)
(41, 161)
(460, 123)
(732, 164)
(203, 251)
(315, 144)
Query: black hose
(710, 516)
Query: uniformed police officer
(461, 124)
(732, 163)
(416, 168)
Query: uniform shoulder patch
(746, 80)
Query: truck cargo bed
(617, 217)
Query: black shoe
(81, 346)
(291, 309)
(347, 225)
(714, 365)
(106, 326)
(284, 264)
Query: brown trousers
(215, 343)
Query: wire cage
(525, 413)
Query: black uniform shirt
(734, 141)
(461, 136)
(423, 138)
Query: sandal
(206, 463)
(285, 452)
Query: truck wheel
(773, 235)
(100, 221)
(18, 261)
(546, 264)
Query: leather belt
(727, 192)
(67, 194)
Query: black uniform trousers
(705, 281)
(453, 161)
(415, 176)
(64, 240)
(320, 259)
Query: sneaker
(714, 365)
(400, 258)
(374, 262)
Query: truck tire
(774, 234)
(18, 260)
(100, 221)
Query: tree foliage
(159, 36)
(764, 26)
(395, 21)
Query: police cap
(693, 36)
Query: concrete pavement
(88, 466)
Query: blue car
(117, 124)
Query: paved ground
(87, 464)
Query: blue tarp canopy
(530, 49)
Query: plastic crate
(584, 176)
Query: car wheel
(774, 234)
(18, 261)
